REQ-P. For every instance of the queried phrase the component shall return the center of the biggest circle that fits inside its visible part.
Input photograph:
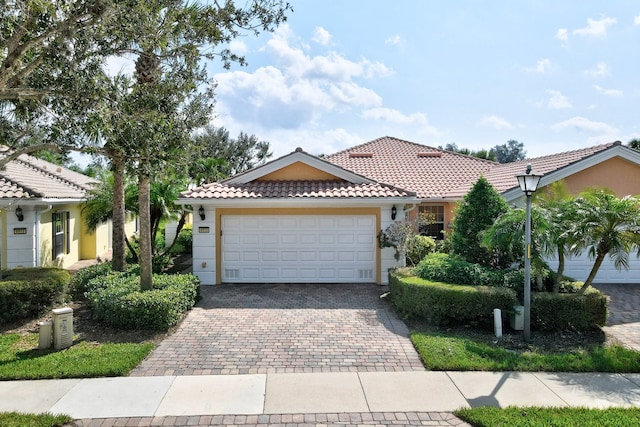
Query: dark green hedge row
(27, 292)
(553, 312)
(443, 304)
(81, 278)
(117, 300)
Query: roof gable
(305, 162)
(298, 171)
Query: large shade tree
(52, 54)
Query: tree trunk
(181, 222)
(145, 254)
(118, 248)
(594, 270)
(560, 272)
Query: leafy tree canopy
(512, 151)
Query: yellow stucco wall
(3, 218)
(298, 171)
(617, 174)
(46, 237)
(130, 225)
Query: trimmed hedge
(447, 268)
(443, 304)
(81, 278)
(27, 292)
(553, 312)
(117, 300)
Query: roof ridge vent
(430, 154)
(361, 155)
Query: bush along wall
(444, 304)
(27, 292)
(117, 300)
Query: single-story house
(301, 218)
(41, 217)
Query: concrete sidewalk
(314, 393)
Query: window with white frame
(435, 227)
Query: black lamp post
(528, 184)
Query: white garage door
(579, 268)
(298, 248)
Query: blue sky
(554, 75)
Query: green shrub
(554, 312)
(184, 242)
(417, 247)
(27, 292)
(81, 278)
(440, 267)
(442, 304)
(118, 301)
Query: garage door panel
(578, 267)
(298, 248)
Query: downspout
(38, 262)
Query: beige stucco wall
(46, 237)
(298, 171)
(617, 174)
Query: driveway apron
(278, 328)
(624, 313)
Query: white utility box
(517, 320)
(45, 330)
(62, 327)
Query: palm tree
(605, 225)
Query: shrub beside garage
(117, 300)
(446, 304)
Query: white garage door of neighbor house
(579, 268)
(298, 248)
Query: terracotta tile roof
(28, 177)
(430, 172)
(503, 176)
(294, 189)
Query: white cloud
(600, 70)
(608, 92)
(557, 101)
(595, 28)
(636, 20)
(321, 36)
(238, 47)
(395, 116)
(395, 40)
(541, 67)
(495, 122)
(582, 124)
(300, 89)
(562, 34)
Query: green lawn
(21, 360)
(556, 417)
(441, 351)
(14, 419)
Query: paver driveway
(243, 329)
(624, 313)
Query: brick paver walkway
(289, 420)
(248, 329)
(624, 313)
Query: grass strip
(556, 417)
(21, 360)
(443, 352)
(15, 419)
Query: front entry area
(298, 248)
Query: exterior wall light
(394, 212)
(528, 184)
(19, 214)
(201, 212)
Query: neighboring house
(305, 219)
(41, 220)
